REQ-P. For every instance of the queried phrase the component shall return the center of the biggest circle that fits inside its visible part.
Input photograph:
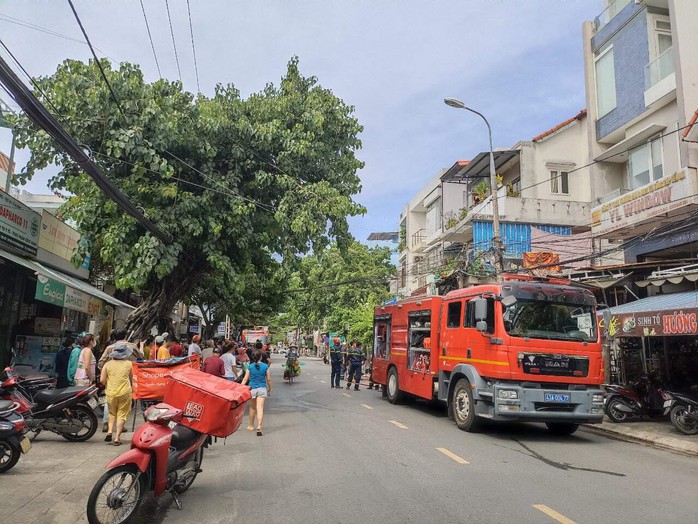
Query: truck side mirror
(480, 309)
(509, 300)
(481, 326)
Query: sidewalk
(659, 434)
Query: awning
(479, 167)
(674, 279)
(606, 281)
(619, 152)
(675, 314)
(64, 279)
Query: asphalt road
(339, 456)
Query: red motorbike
(646, 397)
(164, 456)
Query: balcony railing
(614, 7)
(418, 238)
(613, 195)
(659, 68)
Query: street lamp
(493, 183)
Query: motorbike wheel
(199, 459)
(89, 424)
(614, 413)
(113, 502)
(682, 422)
(9, 455)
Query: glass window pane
(553, 182)
(639, 166)
(657, 163)
(453, 318)
(605, 84)
(564, 183)
(663, 42)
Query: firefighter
(336, 357)
(357, 356)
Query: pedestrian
(85, 372)
(119, 336)
(259, 379)
(243, 363)
(213, 365)
(345, 360)
(74, 357)
(116, 376)
(176, 349)
(163, 347)
(336, 358)
(357, 356)
(229, 361)
(148, 347)
(258, 346)
(194, 348)
(62, 361)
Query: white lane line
(398, 424)
(453, 456)
(323, 382)
(346, 395)
(553, 514)
(314, 376)
(366, 406)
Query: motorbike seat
(6, 405)
(183, 437)
(51, 396)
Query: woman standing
(85, 373)
(259, 379)
(116, 375)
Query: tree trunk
(156, 308)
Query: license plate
(25, 444)
(92, 402)
(667, 403)
(557, 397)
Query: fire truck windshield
(550, 320)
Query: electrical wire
(174, 44)
(150, 37)
(193, 49)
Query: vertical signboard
(19, 225)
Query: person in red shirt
(214, 364)
(176, 349)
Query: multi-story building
(642, 92)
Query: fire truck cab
(519, 350)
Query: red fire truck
(522, 349)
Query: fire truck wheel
(562, 429)
(395, 396)
(464, 407)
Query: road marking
(366, 406)
(401, 426)
(453, 456)
(323, 382)
(346, 395)
(314, 377)
(553, 514)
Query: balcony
(608, 14)
(418, 240)
(660, 80)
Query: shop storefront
(657, 335)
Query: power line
(193, 49)
(174, 44)
(99, 64)
(150, 37)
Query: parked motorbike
(13, 443)
(67, 412)
(164, 456)
(684, 413)
(29, 385)
(645, 397)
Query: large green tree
(239, 183)
(338, 288)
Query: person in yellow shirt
(163, 348)
(116, 375)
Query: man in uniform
(356, 360)
(336, 358)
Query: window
(645, 164)
(433, 223)
(470, 322)
(559, 182)
(605, 83)
(381, 341)
(453, 316)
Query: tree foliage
(338, 289)
(258, 181)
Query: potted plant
(480, 192)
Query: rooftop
(582, 114)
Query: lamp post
(493, 185)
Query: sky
(519, 62)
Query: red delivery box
(214, 405)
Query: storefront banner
(658, 198)
(36, 353)
(657, 324)
(95, 306)
(57, 237)
(47, 326)
(76, 300)
(50, 291)
(19, 225)
(150, 378)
